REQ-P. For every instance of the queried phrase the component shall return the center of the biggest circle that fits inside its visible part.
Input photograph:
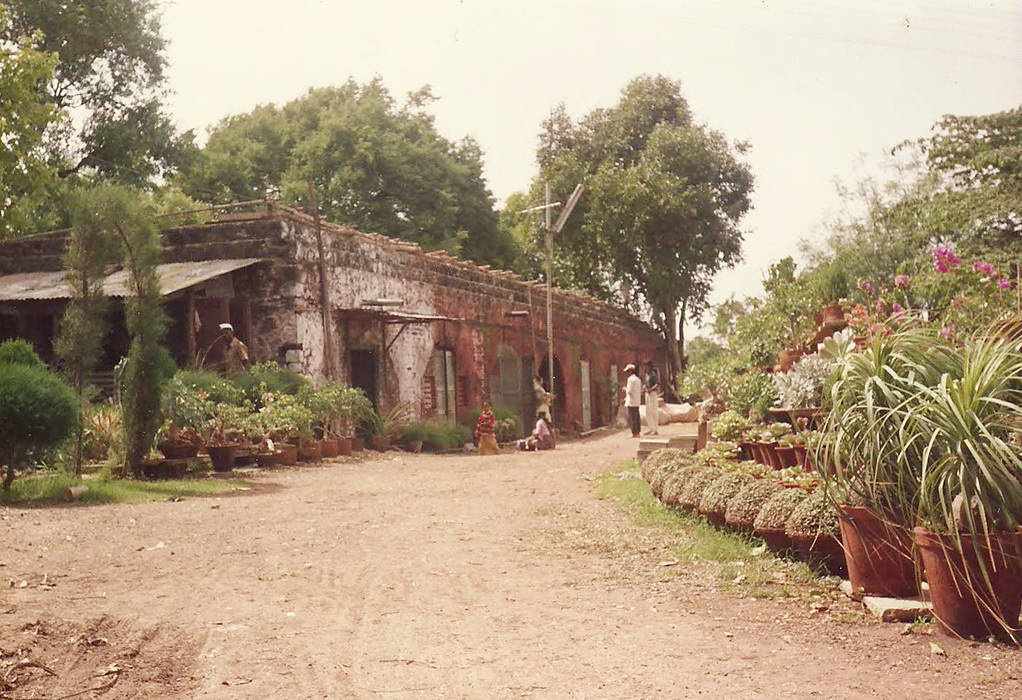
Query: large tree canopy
(377, 166)
(664, 200)
(109, 85)
(24, 116)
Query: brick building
(406, 325)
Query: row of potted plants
(785, 507)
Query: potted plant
(715, 497)
(285, 422)
(691, 493)
(185, 411)
(384, 427)
(961, 433)
(813, 528)
(743, 508)
(220, 434)
(770, 521)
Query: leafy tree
(664, 199)
(90, 251)
(148, 365)
(110, 75)
(377, 166)
(24, 115)
(19, 352)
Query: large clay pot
(833, 312)
(287, 454)
(178, 450)
(222, 456)
(967, 601)
(328, 448)
(310, 452)
(747, 451)
(878, 555)
(770, 454)
(776, 539)
(821, 552)
(344, 446)
(760, 453)
(381, 443)
(357, 444)
(785, 456)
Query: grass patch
(50, 488)
(743, 563)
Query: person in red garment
(485, 427)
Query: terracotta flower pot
(178, 450)
(769, 450)
(967, 601)
(759, 450)
(357, 444)
(878, 556)
(802, 457)
(328, 448)
(381, 443)
(344, 446)
(833, 312)
(716, 517)
(747, 451)
(786, 456)
(776, 539)
(310, 452)
(222, 456)
(821, 552)
(287, 454)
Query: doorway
(363, 372)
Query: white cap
(629, 367)
(226, 327)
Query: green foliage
(697, 481)
(282, 417)
(729, 425)
(802, 387)
(269, 377)
(110, 75)
(37, 412)
(376, 166)
(753, 391)
(19, 352)
(148, 365)
(700, 350)
(814, 516)
(49, 489)
(25, 115)
(746, 503)
(437, 434)
(664, 196)
(215, 387)
(720, 491)
(778, 508)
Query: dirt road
(423, 576)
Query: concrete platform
(892, 609)
(680, 436)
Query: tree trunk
(683, 361)
(673, 351)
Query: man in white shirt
(633, 397)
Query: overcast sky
(812, 85)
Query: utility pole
(549, 232)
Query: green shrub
(657, 459)
(37, 412)
(697, 480)
(215, 387)
(437, 435)
(19, 352)
(813, 516)
(667, 462)
(674, 483)
(729, 425)
(776, 511)
(721, 490)
(270, 377)
(752, 391)
(747, 503)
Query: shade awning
(402, 317)
(173, 278)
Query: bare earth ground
(424, 576)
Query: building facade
(425, 329)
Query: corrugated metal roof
(173, 278)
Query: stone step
(892, 609)
(648, 445)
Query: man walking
(235, 354)
(633, 398)
(652, 387)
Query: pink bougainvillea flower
(880, 306)
(1004, 283)
(901, 281)
(944, 259)
(984, 268)
(866, 286)
(896, 308)
(946, 332)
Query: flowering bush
(802, 387)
